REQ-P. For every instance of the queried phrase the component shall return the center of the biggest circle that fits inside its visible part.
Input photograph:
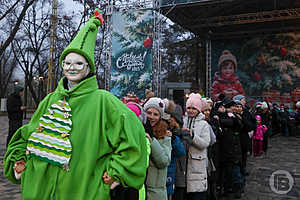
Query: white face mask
(75, 67)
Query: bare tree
(7, 66)
(14, 31)
(31, 48)
(7, 8)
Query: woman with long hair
(160, 156)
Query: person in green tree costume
(81, 139)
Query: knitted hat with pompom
(227, 56)
(156, 103)
(195, 100)
(138, 110)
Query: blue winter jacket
(178, 151)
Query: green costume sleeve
(128, 164)
(16, 151)
(148, 144)
(17, 147)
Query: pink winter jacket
(259, 134)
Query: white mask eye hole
(77, 65)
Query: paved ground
(7, 190)
(284, 154)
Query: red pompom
(257, 76)
(283, 51)
(148, 42)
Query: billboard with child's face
(259, 67)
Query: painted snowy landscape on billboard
(131, 67)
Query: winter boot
(237, 191)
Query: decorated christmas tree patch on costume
(50, 141)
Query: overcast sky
(71, 5)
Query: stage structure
(113, 6)
(51, 75)
(224, 20)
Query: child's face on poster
(227, 69)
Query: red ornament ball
(283, 51)
(148, 42)
(257, 76)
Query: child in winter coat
(258, 137)
(178, 150)
(196, 174)
(225, 81)
(231, 152)
(160, 156)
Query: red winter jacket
(230, 87)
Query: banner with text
(131, 62)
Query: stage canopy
(216, 19)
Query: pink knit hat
(138, 110)
(134, 108)
(195, 100)
(205, 106)
(227, 56)
(257, 117)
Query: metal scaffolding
(258, 17)
(108, 44)
(208, 67)
(156, 63)
(53, 19)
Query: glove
(250, 134)
(187, 137)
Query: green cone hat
(85, 40)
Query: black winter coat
(249, 124)
(230, 141)
(14, 104)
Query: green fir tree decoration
(50, 142)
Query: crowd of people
(202, 153)
(198, 152)
(84, 143)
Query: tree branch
(16, 27)
(9, 10)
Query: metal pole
(156, 65)
(108, 44)
(51, 64)
(208, 67)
